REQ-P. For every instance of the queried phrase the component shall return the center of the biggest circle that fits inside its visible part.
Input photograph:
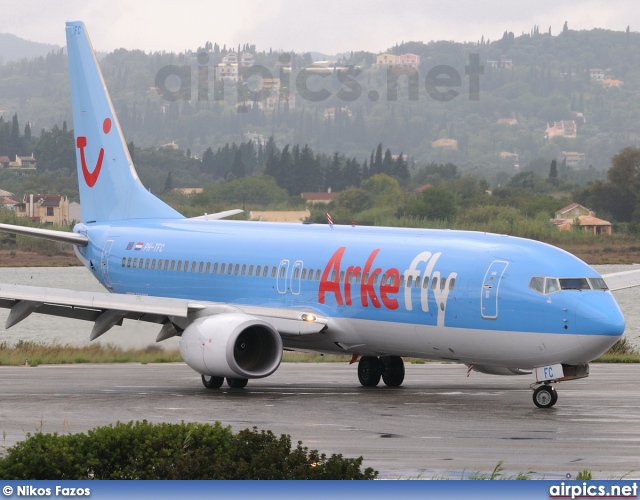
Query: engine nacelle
(233, 345)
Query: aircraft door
(104, 263)
(490, 287)
(296, 271)
(281, 277)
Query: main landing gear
(211, 382)
(372, 368)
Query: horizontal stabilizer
(76, 239)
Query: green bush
(141, 450)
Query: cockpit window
(546, 286)
(574, 284)
(551, 285)
(537, 284)
(598, 284)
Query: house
(596, 74)
(227, 72)
(44, 208)
(390, 61)
(573, 159)
(507, 121)
(564, 128)
(8, 203)
(576, 215)
(5, 161)
(280, 100)
(445, 144)
(610, 82)
(320, 197)
(246, 59)
(26, 162)
(280, 216)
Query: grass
(620, 352)
(38, 353)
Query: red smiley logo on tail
(91, 177)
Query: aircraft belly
(499, 348)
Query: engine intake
(234, 345)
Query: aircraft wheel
(369, 371)
(392, 370)
(237, 383)
(545, 396)
(211, 382)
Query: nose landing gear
(545, 396)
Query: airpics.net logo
(593, 490)
(256, 85)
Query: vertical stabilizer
(109, 186)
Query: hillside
(13, 48)
(528, 82)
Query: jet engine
(233, 345)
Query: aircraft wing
(623, 279)
(109, 309)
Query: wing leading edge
(107, 310)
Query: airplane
(238, 293)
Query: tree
(168, 184)
(434, 203)
(553, 170)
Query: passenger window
(124, 261)
(333, 276)
(341, 276)
(443, 284)
(318, 275)
(265, 271)
(409, 281)
(434, 283)
(304, 274)
(273, 271)
(166, 264)
(179, 266)
(401, 284)
(296, 273)
(551, 285)
(230, 268)
(537, 284)
(215, 268)
(208, 267)
(186, 266)
(193, 266)
(135, 262)
(283, 272)
(418, 282)
(452, 283)
(129, 262)
(201, 267)
(244, 269)
(160, 264)
(251, 270)
(223, 267)
(146, 264)
(258, 269)
(153, 264)
(173, 264)
(236, 269)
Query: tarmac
(438, 424)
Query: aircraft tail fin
(109, 185)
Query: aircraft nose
(599, 322)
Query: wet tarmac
(438, 424)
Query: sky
(330, 26)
